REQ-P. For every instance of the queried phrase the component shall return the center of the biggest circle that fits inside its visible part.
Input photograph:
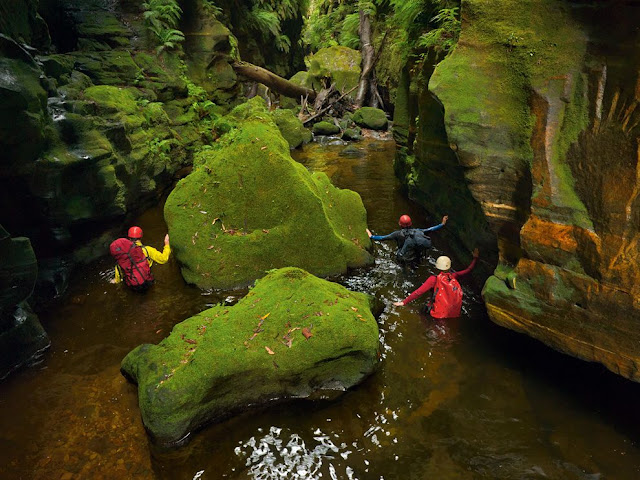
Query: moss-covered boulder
(340, 64)
(325, 128)
(369, 117)
(249, 207)
(352, 134)
(291, 128)
(292, 335)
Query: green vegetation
(417, 24)
(264, 19)
(162, 18)
(293, 334)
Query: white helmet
(443, 263)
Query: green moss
(110, 99)
(369, 117)
(108, 68)
(341, 65)
(291, 127)
(274, 212)
(325, 128)
(217, 362)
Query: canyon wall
(539, 107)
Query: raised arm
(391, 236)
(461, 273)
(436, 227)
(425, 287)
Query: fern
(212, 9)
(445, 36)
(264, 21)
(169, 39)
(349, 35)
(283, 43)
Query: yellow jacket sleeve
(155, 256)
(118, 277)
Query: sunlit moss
(219, 361)
(249, 207)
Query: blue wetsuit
(400, 235)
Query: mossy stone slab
(226, 359)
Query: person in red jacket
(447, 298)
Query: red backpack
(133, 263)
(447, 297)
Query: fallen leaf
(192, 342)
(210, 247)
(159, 330)
(264, 230)
(269, 351)
(263, 148)
(265, 316)
(203, 212)
(307, 334)
(354, 309)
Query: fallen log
(274, 82)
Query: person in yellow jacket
(153, 255)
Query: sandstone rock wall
(539, 101)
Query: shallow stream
(462, 399)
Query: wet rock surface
(540, 123)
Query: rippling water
(458, 399)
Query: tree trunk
(273, 81)
(367, 57)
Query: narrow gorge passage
(446, 396)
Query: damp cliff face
(97, 117)
(540, 105)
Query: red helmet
(135, 232)
(405, 221)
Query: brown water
(463, 399)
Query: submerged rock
(248, 207)
(292, 335)
(369, 117)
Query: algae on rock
(249, 207)
(226, 359)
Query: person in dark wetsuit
(412, 256)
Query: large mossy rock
(369, 117)
(337, 64)
(248, 207)
(226, 359)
